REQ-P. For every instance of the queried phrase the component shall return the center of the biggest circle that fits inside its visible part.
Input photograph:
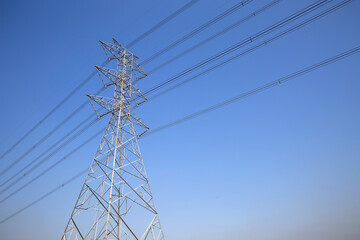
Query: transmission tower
(115, 201)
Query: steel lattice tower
(115, 201)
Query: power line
(79, 132)
(260, 89)
(52, 166)
(73, 130)
(77, 110)
(277, 36)
(215, 107)
(51, 111)
(209, 23)
(44, 196)
(240, 44)
(288, 20)
(264, 43)
(176, 13)
(218, 34)
(204, 26)
(87, 79)
(161, 23)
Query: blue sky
(282, 164)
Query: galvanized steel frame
(117, 183)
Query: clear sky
(282, 164)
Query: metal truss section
(115, 201)
(117, 51)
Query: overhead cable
(212, 108)
(38, 164)
(242, 43)
(197, 30)
(259, 89)
(161, 23)
(218, 34)
(43, 154)
(176, 13)
(91, 75)
(77, 88)
(45, 195)
(251, 49)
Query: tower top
(118, 52)
(128, 71)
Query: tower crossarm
(112, 106)
(108, 73)
(113, 51)
(107, 103)
(138, 96)
(111, 75)
(116, 51)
